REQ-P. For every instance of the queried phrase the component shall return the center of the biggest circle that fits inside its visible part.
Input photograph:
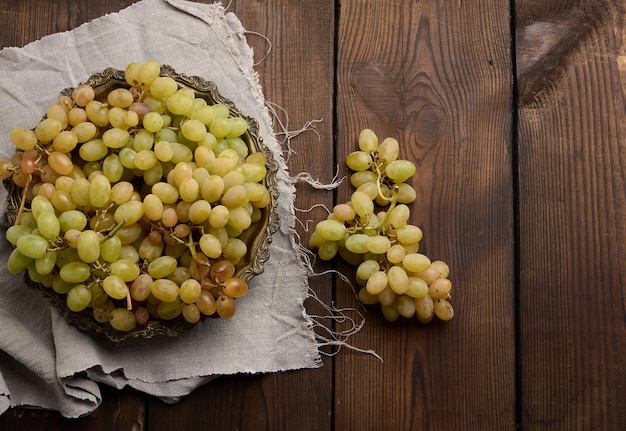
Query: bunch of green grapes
(133, 203)
(372, 231)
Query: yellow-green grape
(400, 170)
(180, 103)
(115, 138)
(406, 193)
(61, 286)
(164, 290)
(331, 230)
(129, 234)
(65, 141)
(129, 212)
(390, 311)
(388, 150)
(235, 248)
(239, 218)
(39, 205)
(71, 237)
(443, 309)
(152, 122)
(369, 189)
(377, 282)
(406, 306)
(357, 243)
(396, 254)
(15, 232)
(23, 138)
(102, 312)
(122, 192)
(120, 98)
(440, 288)
(226, 307)
(170, 310)
(368, 141)
(85, 132)
(254, 172)
(164, 151)
(78, 298)
(80, 192)
(205, 114)
(163, 87)
(122, 319)
(166, 192)
(210, 246)
(416, 262)
(199, 212)
(99, 191)
(366, 269)
(98, 113)
(190, 291)
(93, 150)
(46, 130)
(235, 287)
(424, 309)
(125, 269)
(46, 264)
(88, 246)
(220, 127)
(111, 249)
(115, 287)
(238, 126)
(182, 153)
(162, 267)
(378, 244)
(153, 207)
(362, 204)
(398, 279)
(151, 249)
(32, 246)
(367, 298)
(48, 225)
(417, 288)
(75, 272)
(194, 130)
(357, 179)
(18, 262)
(359, 161)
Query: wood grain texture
(571, 213)
(436, 76)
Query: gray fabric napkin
(48, 364)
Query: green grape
(125, 269)
(115, 287)
(238, 126)
(358, 179)
(122, 319)
(111, 249)
(170, 310)
(235, 248)
(416, 262)
(194, 130)
(130, 233)
(99, 191)
(75, 272)
(357, 243)
(199, 212)
(218, 216)
(129, 212)
(164, 290)
(400, 170)
(406, 193)
(145, 159)
(88, 246)
(78, 298)
(180, 103)
(112, 168)
(377, 282)
(327, 250)
(98, 113)
(359, 161)
(366, 269)
(331, 230)
(162, 267)
(152, 122)
(237, 144)
(102, 311)
(362, 204)
(239, 218)
(13, 233)
(149, 249)
(367, 298)
(46, 264)
(84, 131)
(164, 151)
(368, 141)
(212, 188)
(33, 246)
(18, 262)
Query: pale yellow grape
(112, 168)
(221, 166)
(398, 217)
(378, 244)
(83, 94)
(84, 132)
(357, 179)
(416, 262)
(153, 207)
(194, 130)
(129, 212)
(64, 183)
(409, 234)
(129, 252)
(417, 288)
(145, 159)
(130, 233)
(362, 204)
(396, 253)
(256, 192)
(440, 288)
(154, 174)
(115, 138)
(390, 311)
(377, 282)
(121, 192)
(71, 237)
(165, 290)
(98, 113)
(387, 296)
(23, 138)
(166, 192)
(254, 172)
(59, 113)
(76, 116)
(180, 103)
(424, 309)
(62, 201)
(88, 246)
(130, 119)
(398, 279)
(149, 72)
(204, 156)
(210, 246)
(199, 211)
(239, 218)
(189, 189)
(359, 161)
(367, 140)
(443, 309)
(164, 151)
(190, 291)
(191, 313)
(442, 267)
(234, 197)
(182, 171)
(218, 217)
(152, 122)
(143, 140)
(388, 150)
(331, 230)
(120, 98)
(99, 191)
(406, 193)
(46, 130)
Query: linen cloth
(44, 362)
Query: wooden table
(514, 115)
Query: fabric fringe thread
(329, 340)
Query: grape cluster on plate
(133, 202)
(372, 231)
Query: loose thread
(269, 42)
(284, 132)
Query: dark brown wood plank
(436, 76)
(572, 211)
(297, 75)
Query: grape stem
(392, 204)
(113, 231)
(20, 211)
